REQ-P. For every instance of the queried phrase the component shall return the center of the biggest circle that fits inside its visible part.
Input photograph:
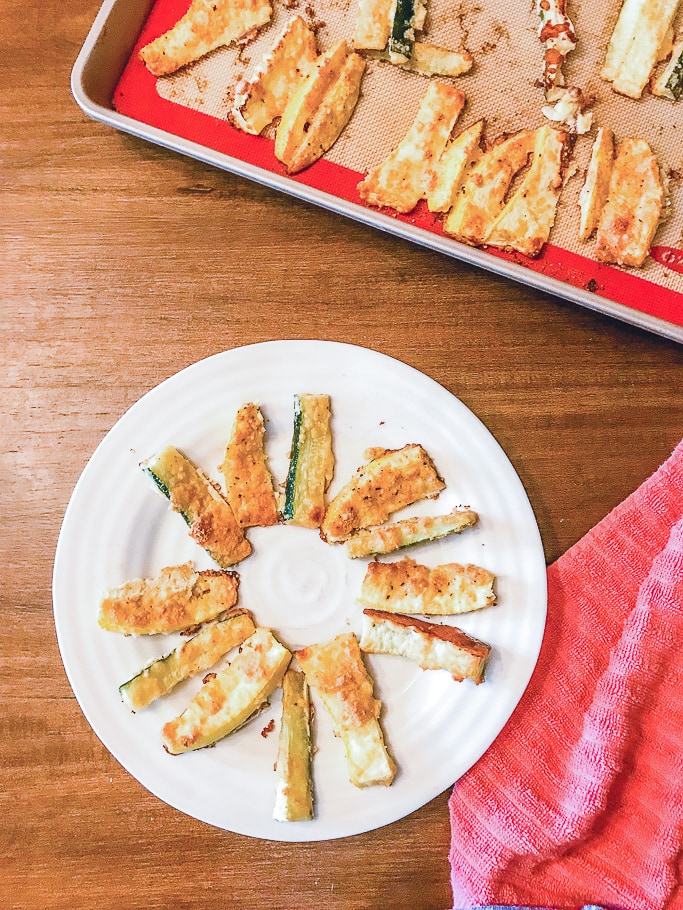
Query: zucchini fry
(481, 196)
(669, 82)
(189, 659)
(631, 215)
(595, 189)
(207, 25)
(431, 60)
(337, 672)
(311, 463)
(175, 599)
(205, 510)
(459, 155)
(408, 19)
(406, 174)
(373, 24)
(319, 108)
(259, 100)
(293, 783)
(248, 482)
(636, 44)
(229, 698)
(408, 532)
(408, 587)
(433, 646)
(389, 482)
(525, 223)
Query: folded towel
(580, 798)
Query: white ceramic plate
(118, 526)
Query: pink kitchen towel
(580, 798)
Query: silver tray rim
(97, 68)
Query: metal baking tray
(112, 86)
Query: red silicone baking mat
(502, 87)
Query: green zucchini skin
(402, 30)
(675, 81)
(187, 660)
(407, 533)
(291, 482)
(206, 511)
(311, 463)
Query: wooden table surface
(120, 264)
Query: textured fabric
(581, 796)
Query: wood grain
(121, 263)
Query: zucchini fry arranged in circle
(311, 462)
(189, 659)
(248, 481)
(293, 779)
(337, 672)
(432, 646)
(407, 532)
(229, 698)
(206, 26)
(319, 108)
(390, 481)
(205, 510)
(176, 599)
(407, 586)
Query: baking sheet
(187, 111)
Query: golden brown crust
(390, 482)
(406, 586)
(248, 482)
(207, 25)
(178, 598)
(633, 210)
(450, 634)
(336, 669)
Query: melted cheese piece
(259, 100)
(207, 25)
(595, 189)
(557, 34)
(177, 598)
(229, 698)
(482, 195)
(248, 482)
(431, 646)
(408, 587)
(336, 671)
(406, 174)
(525, 223)
(634, 206)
